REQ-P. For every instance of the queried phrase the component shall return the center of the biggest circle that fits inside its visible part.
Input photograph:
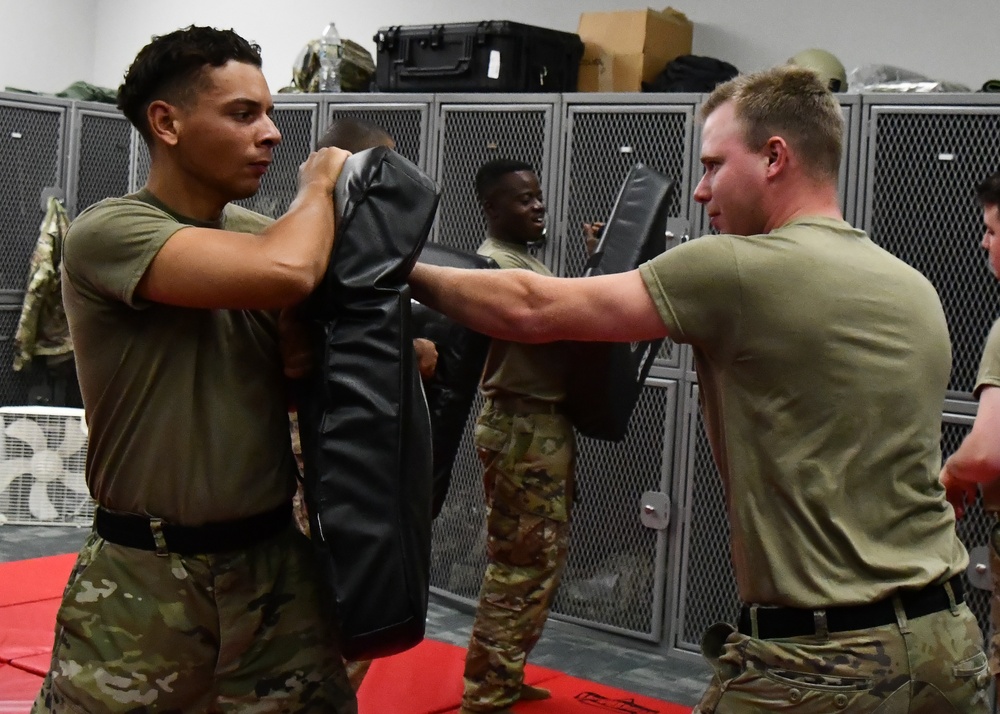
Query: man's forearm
(495, 302)
(977, 459)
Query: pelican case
(489, 56)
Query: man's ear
(489, 210)
(163, 121)
(776, 151)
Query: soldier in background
(976, 463)
(528, 449)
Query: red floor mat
(17, 690)
(34, 579)
(428, 680)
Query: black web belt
(782, 622)
(134, 531)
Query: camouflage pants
(528, 476)
(995, 600)
(244, 631)
(929, 665)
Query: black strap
(134, 531)
(782, 622)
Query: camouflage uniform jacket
(42, 328)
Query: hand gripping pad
(364, 423)
(461, 356)
(605, 378)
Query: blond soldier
(823, 362)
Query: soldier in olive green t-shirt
(528, 449)
(976, 462)
(822, 367)
(194, 592)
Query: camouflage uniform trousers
(243, 631)
(933, 664)
(995, 600)
(529, 462)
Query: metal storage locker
(472, 129)
(405, 116)
(99, 154)
(925, 155)
(33, 138)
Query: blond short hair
(790, 102)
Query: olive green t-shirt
(823, 362)
(186, 408)
(514, 369)
(989, 376)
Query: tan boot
(534, 694)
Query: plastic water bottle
(330, 53)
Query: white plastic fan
(43, 452)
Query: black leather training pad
(605, 378)
(461, 356)
(364, 423)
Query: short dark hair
(490, 173)
(170, 66)
(988, 192)
(354, 134)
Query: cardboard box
(622, 49)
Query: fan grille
(42, 460)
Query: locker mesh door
(614, 577)
(102, 157)
(470, 136)
(458, 547)
(708, 584)
(138, 163)
(32, 146)
(923, 165)
(13, 385)
(605, 143)
(615, 573)
(407, 125)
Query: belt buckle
(159, 539)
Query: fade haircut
(171, 66)
(790, 102)
(988, 192)
(490, 173)
(354, 135)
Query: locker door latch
(978, 571)
(654, 510)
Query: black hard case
(489, 56)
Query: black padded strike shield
(605, 378)
(364, 422)
(461, 356)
